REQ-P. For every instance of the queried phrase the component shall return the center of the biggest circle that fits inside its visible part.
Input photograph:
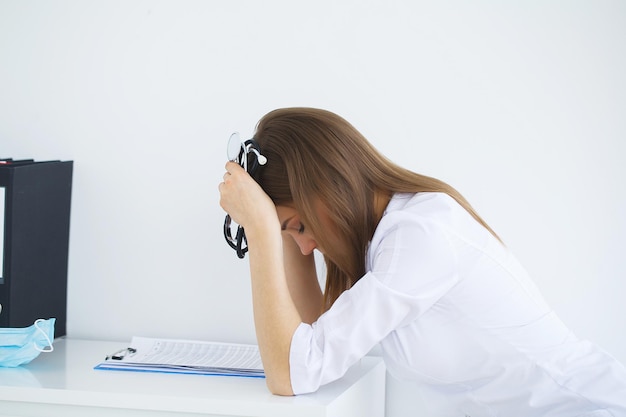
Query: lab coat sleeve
(411, 266)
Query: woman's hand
(243, 199)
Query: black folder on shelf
(35, 200)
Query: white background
(519, 104)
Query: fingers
(230, 168)
(235, 178)
(233, 167)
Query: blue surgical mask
(19, 346)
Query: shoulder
(421, 208)
(424, 202)
(429, 228)
(414, 239)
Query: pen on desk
(120, 354)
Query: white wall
(518, 104)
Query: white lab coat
(455, 312)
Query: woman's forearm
(275, 314)
(302, 281)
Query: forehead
(285, 213)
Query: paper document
(186, 356)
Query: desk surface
(65, 381)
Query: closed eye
(291, 224)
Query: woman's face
(291, 224)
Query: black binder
(35, 199)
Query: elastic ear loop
(44, 335)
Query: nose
(305, 243)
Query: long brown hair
(315, 156)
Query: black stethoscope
(248, 155)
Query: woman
(410, 266)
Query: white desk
(63, 383)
